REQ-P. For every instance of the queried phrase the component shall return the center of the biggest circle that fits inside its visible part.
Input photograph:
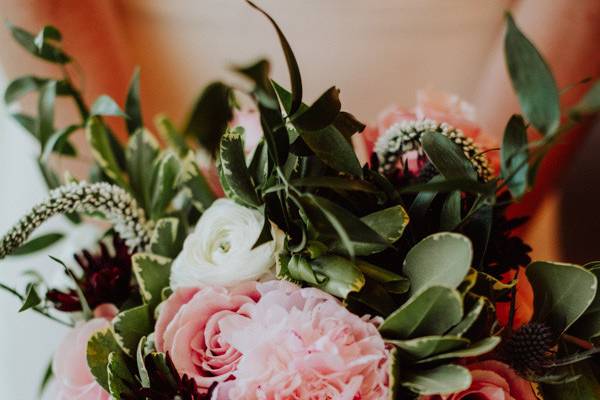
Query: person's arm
(567, 33)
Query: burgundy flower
(106, 278)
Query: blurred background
(377, 52)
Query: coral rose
(303, 344)
(189, 328)
(492, 380)
(438, 106)
(72, 377)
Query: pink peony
(441, 107)
(189, 328)
(492, 380)
(303, 344)
(72, 377)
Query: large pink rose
(303, 344)
(72, 377)
(492, 380)
(439, 106)
(189, 328)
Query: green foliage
(133, 109)
(588, 325)
(99, 347)
(39, 243)
(515, 156)
(131, 325)
(210, 115)
(589, 103)
(142, 153)
(562, 293)
(443, 379)
(532, 80)
(167, 238)
(431, 312)
(32, 299)
(341, 275)
(98, 139)
(447, 157)
(44, 45)
(120, 379)
(106, 106)
(233, 172)
(442, 259)
(152, 274)
(165, 185)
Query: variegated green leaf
(152, 274)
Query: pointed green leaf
(193, 180)
(120, 380)
(133, 108)
(588, 325)
(45, 122)
(321, 113)
(447, 157)
(342, 275)
(167, 131)
(38, 243)
(32, 299)
(469, 318)
(141, 155)
(45, 50)
(210, 115)
(106, 106)
(532, 80)
(515, 155)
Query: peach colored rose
(189, 328)
(441, 107)
(492, 380)
(72, 377)
(303, 344)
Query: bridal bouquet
(248, 254)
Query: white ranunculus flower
(219, 251)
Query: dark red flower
(106, 278)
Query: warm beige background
(377, 52)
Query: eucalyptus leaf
(588, 325)
(21, 86)
(38, 243)
(532, 80)
(428, 346)
(59, 142)
(450, 216)
(440, 259)
(562, 293)
(433, 311)
(476, 349)
(45, 121)
(445, 379)
(514, 155)
(589, 104)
